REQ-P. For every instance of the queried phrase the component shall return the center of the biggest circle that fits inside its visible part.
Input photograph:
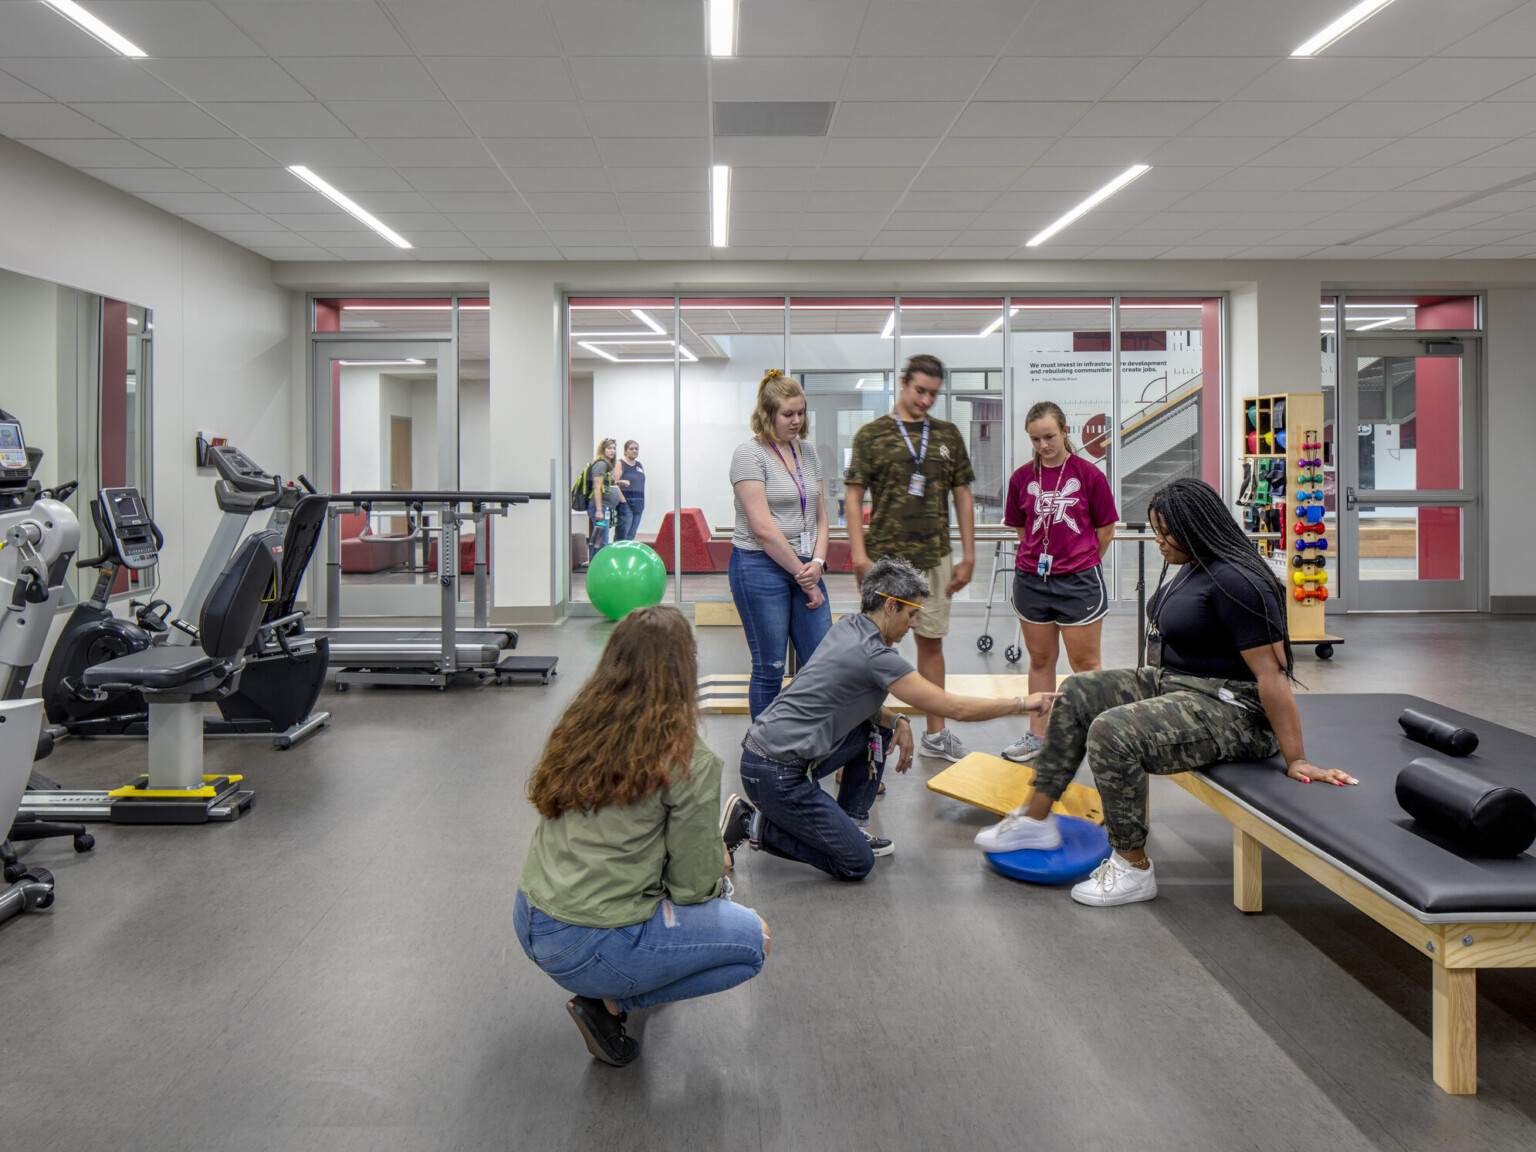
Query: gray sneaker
(943, 743)
(1024, 750)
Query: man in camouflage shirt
(910, 464)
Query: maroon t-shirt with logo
(1060, 510)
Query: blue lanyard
(917, 457)
(798, 478)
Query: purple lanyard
(799, 479)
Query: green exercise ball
(624, 576)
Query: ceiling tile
(1383, 119)
(151, 179)
(769, 151)
(411, 118)
(1488, 119)
(1263, 117)
(877, 151)
(155, 120)
(1356, 179)
(1319, 151)
(507, 238)
(13, 90)
(1514, 154)
(357, 78)
(821, 203)
(1422, 30)
(365, 178)
(589, 236)
(1047, 78)
(98, 153)
(1025, 118)
(1098, 27)
(984, 152)
(509, 118)
(1329, 77)
(305, 28)
(613, 253)
(572, 201)
(798, 28)
(225, 78)
(783, 201)
(1271, 179)
(1063, 179)
(921, 78)
(1210, 151)
(323, 154)
(379, 252)
(907, 238)
(249, 228)
(89, 78)
(1406, 153)
(504, 201)
(303, 205)
(532, 252)
(934, 179)
(1162, 78)
(827, 179)
(1251, 28)
(825, 252)
(646, 118)
(45, 33)
(1457, 79)
(774, 78)
(896, 253)
(269, 179)
(492, 78)
(675, 179)
(1129, 118)
(426, 253)
(568, 179)
(478, 27)
(896, 118)
(224, 153)
(543, 152)
(588, 28)
(648, 202)
(947, 201)
(290, 119)
(925, 220)
(426, 152)
(927, 28)
(1117, 152)
(498, 221)
(647, 79)
(178, 202)
(1458, 179)
(49, 122)
(652, 151)
(167, 28)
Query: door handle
(1349, 499)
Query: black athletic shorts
(1071, 599)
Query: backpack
(581, 491)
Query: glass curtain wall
(1003, 354)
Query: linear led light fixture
(414, 307)
(1356, 16)
(596, 348)
(645, 319)
(1379, 323)
(111, 37)
(347, 204)
(409, 360)
(998, 323)
(720, 206)
(890, 326)
(1088, 205)
(722, 27)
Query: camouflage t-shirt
(914, 528)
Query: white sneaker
(1116, 882)
(1016, 831)
(943, 743)
(1024, 749)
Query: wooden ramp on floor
(1000, 786)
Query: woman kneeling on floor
(831, 716)
(1217, 687)
(621, 900)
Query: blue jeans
(773, 613)
(629, 517)
(683, 950)
(599, 520)
(801, 821)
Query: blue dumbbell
(1321, 543)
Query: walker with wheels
(1014, 652)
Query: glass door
(1409, 517)
(386, 420)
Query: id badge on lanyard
(919, 483)
(1154, 648)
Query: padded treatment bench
(1461, 913)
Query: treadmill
(429, 657)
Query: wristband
(820, 560)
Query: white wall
(1511, 423)
(29, 347)
(475, 436)
(224, 336)
(364, 453)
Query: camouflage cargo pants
(1134, 722)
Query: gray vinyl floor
(337, 971)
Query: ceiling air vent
(773, 117)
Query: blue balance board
(1084, 846)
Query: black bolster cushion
(1436, 733)
(1480, 818)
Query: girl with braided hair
(1217, 687)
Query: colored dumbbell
(1321, 544)
(1314, 462)
(1304, 529)
(1309, 561)
(1309, 577)
(1302, 595)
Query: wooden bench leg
(1455, 1029)
(1247, 872)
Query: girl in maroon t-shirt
(1065, 515)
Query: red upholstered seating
(466, 556)
(368, 555)
(695, 537)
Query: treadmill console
(125, 519)
(240, 470)
(14, 470)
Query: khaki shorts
(933, 620)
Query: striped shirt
(754, 460)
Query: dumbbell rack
(1282, 436)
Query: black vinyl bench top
(1364, 829)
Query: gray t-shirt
(600, 478)
(843, 684)
(754, 460)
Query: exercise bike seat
(159, 669)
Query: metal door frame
(442, 347)
(1469, 594)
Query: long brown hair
(1039, 412)
(631, 722)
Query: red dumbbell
(1303, 529)
(1303, 594)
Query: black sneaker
(879, 845)
(736, 823)
(603, 1031)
